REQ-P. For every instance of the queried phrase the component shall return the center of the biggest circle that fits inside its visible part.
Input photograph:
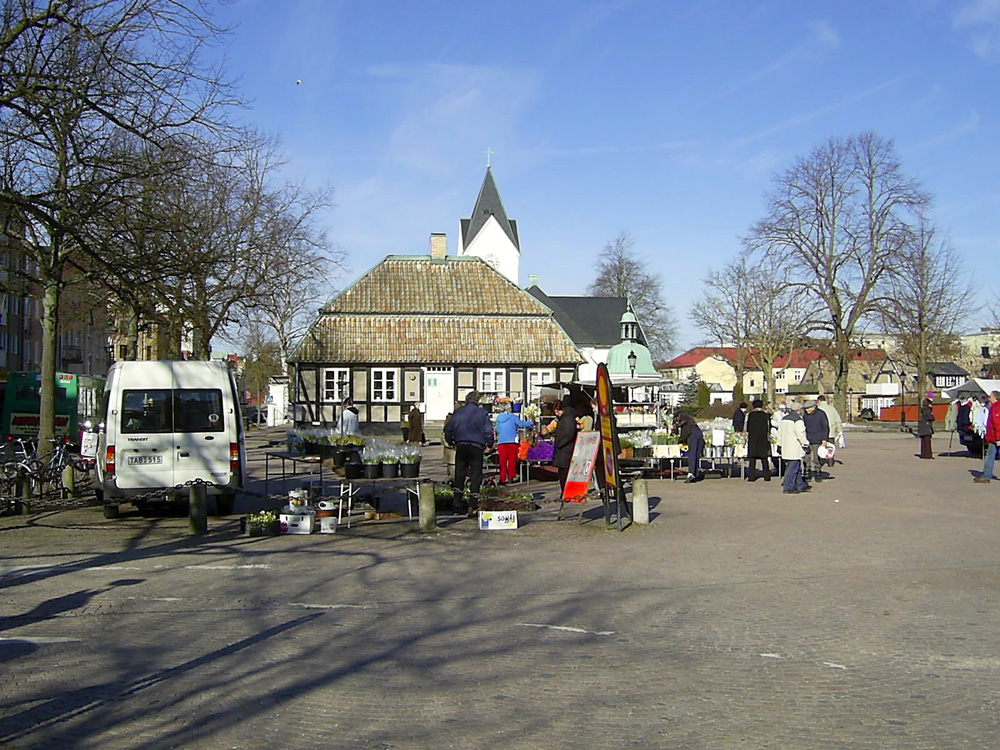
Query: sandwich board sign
(581, 466)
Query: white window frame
(384, 384)
(336, 383)
(535, 380)
(493, 380)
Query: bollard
(640, 501)
(23, 490)
(428, 513)
(198, 509)
(69, 481)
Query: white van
(166, 424)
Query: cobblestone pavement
(859, 615)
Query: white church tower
(489, 234)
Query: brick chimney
(439, 245)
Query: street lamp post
(632, 359)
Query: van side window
(146, 411)
(198, 410)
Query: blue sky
(663, 119)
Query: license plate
(145, 460)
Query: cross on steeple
(489, 152)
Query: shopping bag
(841, 441)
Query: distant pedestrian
(508, 424)
(833, 417)
(758, 441)
(470, 430)
(740, 417)
(692, 436)
(565, 439)
(348, 423)
(925, 428)
(794, 445)
(818, 434)
(991, 441)
(415, 424)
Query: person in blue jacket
(470, 430)
(507, 444)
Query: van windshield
(158, 410)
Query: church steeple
(489, 234)
(488, 204)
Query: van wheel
(224, 503)
(111, 511)
(99, 495)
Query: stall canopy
(974, 387)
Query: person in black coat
(565, 440)
(740, 417)
(758, 441)
(818, 433)
(691, 435)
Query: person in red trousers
(507, 443)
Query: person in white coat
(833, 417)
(794, 445)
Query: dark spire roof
(488, 204)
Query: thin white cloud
(981, 20)
(805, 117)
(970, 124)
(821, 40)
(446, 109)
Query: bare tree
(300, 265)
(622, 273)
(79, 80)
(929, 297)
(752, 305)
(840, 219)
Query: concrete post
(428, 512)
(640, 501)
(198, 509)
(69, 481)
(23, 491)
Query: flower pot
(626, 453)
(390, 470)
(409, 470)
(352, 470)
(310, 448)
(267, 529)
(372, 471)
(339, 455)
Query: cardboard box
(493, 520)
(297, 523)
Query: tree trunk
(50, 333)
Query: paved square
(739, 618)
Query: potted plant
(409, 462)
(263, 523)
(626, 447)
(444, 498)
(371, 462)
(390, 464)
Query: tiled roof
(946, 368)
(420, 285)
(437, 339)
(456, 310)
(590, 321)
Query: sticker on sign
(492, 520)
